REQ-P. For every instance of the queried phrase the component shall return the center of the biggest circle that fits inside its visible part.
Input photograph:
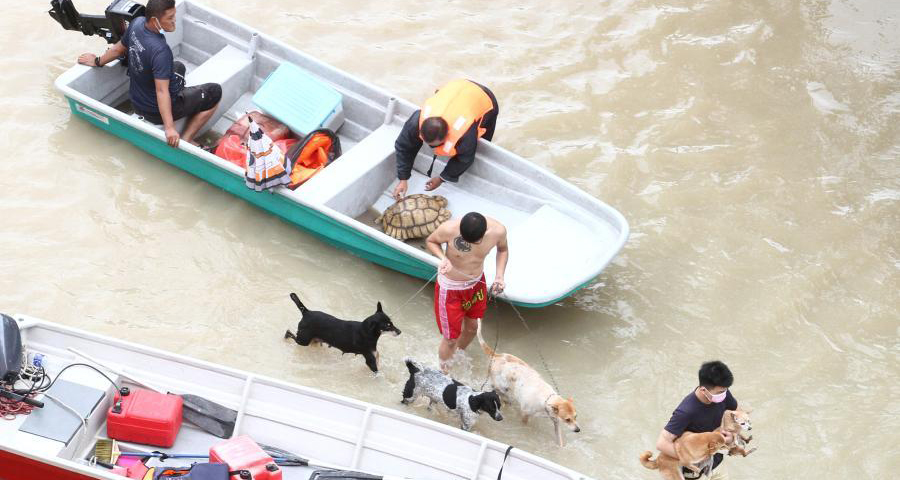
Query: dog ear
(747, 409)
(378, 308)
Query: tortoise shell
(415, 216)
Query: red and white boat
(330, 430)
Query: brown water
(752, 145)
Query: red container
(145, 417)
(242, 453)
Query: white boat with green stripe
(560, 238)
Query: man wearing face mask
(157, 88)
(701, 411)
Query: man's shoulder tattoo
(461, 244)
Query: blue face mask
(161, 31)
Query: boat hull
(309, 219)
(17, 467)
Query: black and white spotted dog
(439, 388)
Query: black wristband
(97, 61)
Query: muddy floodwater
(753, 147)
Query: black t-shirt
(149, 58)
(692, 415)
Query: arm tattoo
(461, 244)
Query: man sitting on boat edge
(450, 122)
(156, 87)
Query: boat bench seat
(232, 69)
(365, 169)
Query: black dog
(360, 338)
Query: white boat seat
(232, 69)
(549, 247)
(361, 171)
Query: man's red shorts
(451, 305)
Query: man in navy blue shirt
(701, 411)
(157, 88)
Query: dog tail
(484, 346)
(646, 462)
(411, 365)
(299, 304)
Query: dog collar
(548, 399)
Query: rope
(497, 341)
(9, 409)
(67, 407)
(487, 375)
(538, 347)
(427, 282)
(500, 473)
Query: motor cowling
(110, 26)
(10, 349)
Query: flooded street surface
(753, 146)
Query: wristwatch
(97, 60)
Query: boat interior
(328, 431)
(565, 235)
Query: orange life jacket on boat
(317, 150)
(460, 103)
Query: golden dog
(692, 448)
(737, 423)
(515, 380)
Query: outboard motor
(10, 349)
(11, 360)
(110, 26)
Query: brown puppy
(692, 448)
(737, 422)
(515, 380)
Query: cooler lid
(296, 98)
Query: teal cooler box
(299, 100)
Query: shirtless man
(460, 296)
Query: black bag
(341, 475)
(197, 471)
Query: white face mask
(161, 31)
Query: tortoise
(415, 216)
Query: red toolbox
(144, 416)
(242, 453)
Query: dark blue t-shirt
(149, 58)
(692, 415)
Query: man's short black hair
(434, 129)
(155, 8)
(472, 227)
(715, 374)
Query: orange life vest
(460, 103)
(319, 149)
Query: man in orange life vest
(450, 122)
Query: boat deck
(190, 439)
